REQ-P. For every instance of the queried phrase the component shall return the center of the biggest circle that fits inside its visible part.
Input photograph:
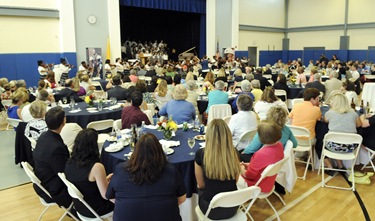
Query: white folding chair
(227, 119)
(296, 101)
(282, 93)
(219, 111)
(151, 107)
(371, 154)
(13, 122)
(117, 124)
(32, 142)
(34, 179)
(149, 115)
(97, 84)
(6, 104)
(231, 199)
(246, 138)
(76, 194)
(271, 170)
(101, 125)
(340, 138)
(304, 145)
(100, 94)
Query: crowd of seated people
(174, 90)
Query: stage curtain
(193, 6)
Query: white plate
(168, 151)
(200, 137)
(91, 108)
(112, 139)
(75, 111)
(93, 111)
(112, 149)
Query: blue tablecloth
(84, 117)
(180, 159)
(294, 91)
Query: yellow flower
(172, 125)
(87, 99)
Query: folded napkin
(113, 107)
(75, 111)
(152, 127)
(179, 126)
(114, 147)
(169, 143)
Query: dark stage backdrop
(180, 30)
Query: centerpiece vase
(167, 134)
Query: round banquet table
(294, 91)
(180, 159)
(83, 117)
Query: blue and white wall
(50, 29)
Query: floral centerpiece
(108, 75)
(207, 87)
(167, 126)
(293, 80)
(89, 100)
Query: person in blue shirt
(180, 109)
(217, 96)
(246, 89)
(278, 115)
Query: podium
(144, 57)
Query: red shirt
(267, 155)
(133, 115)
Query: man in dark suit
(315, 84)
(117, 91)
(68, 92)
(50, 156)
(263, 81)
(151, 72)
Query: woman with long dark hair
(147, 186)
(85, 171)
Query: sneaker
(329, 172)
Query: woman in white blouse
(267, 100)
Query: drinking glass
(113, 100)
(64, 100)
(191, 143)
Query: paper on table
(152, 127)
(75, 111)
(169, 143)
(65, 105)
(114, 147)
(179, 126)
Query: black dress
(150, 201)
(213, 187)
(79, 177)
(368, 134)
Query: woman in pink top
(301, 79)
(272, 152)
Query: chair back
(219, 111)
(100, 94)
(234, 198)
(343, 138)
(97, 85)
(296, 101)
(13, 122)
(149, 115)
(34, 179)
(272, 170)
(247, 137)
(227, 119)
(32, 142)
(76, 194)
(151, 107)
(6, 104)
(101, 124)
(69, 134)
(302, 135)
(117, 124)
(281, 93)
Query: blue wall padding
(24, 66)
